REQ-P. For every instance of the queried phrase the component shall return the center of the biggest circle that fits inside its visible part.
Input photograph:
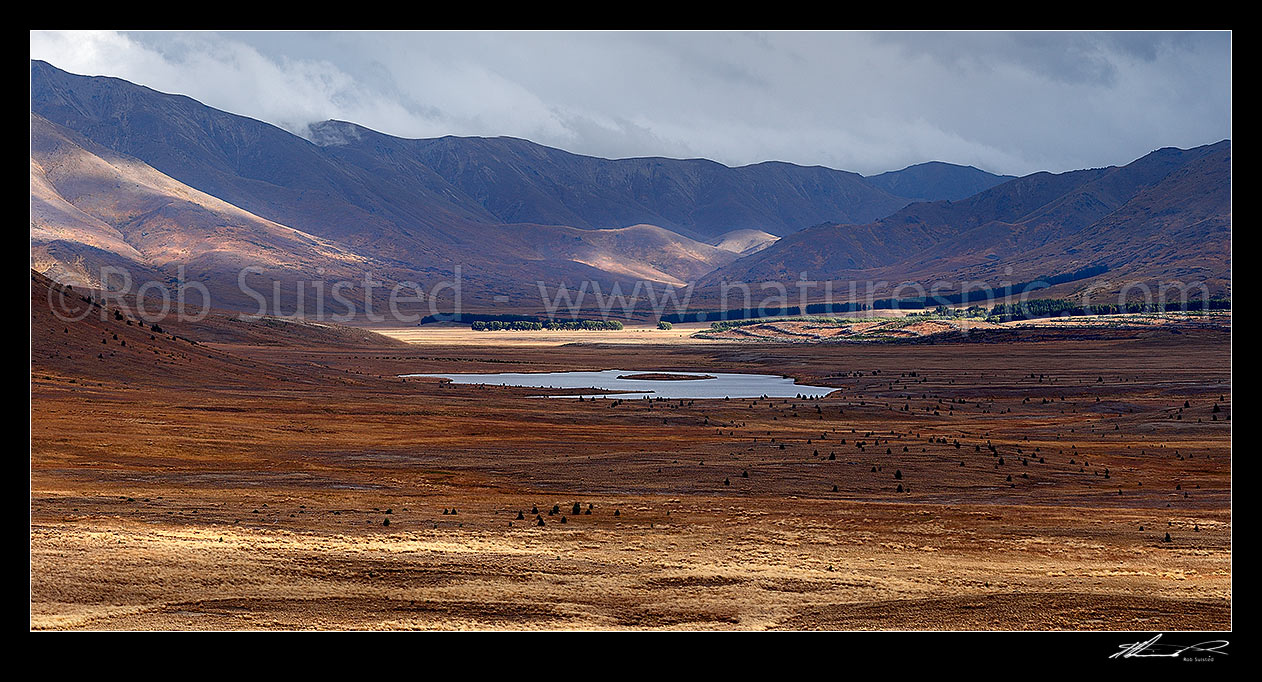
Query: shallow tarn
(632, 384)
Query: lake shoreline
(624, 384)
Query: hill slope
(92, 207)
(77, 338)
(1166, 207)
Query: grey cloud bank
(868, 102)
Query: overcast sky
(868, 102)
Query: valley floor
(264, 505)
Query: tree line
(1060, 307)
(552, 325)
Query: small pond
(633, 384)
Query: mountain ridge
(230, 144)
(519, 181)
(513, 212)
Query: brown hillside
(90, 342)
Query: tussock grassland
(262, 502)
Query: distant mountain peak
(334, 133)
(934, 164)
(936, 180)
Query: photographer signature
(1152, 649)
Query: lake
(633, 384)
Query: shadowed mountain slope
(519, 181)
(1166, 207)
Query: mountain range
(1165, 217)
(124, 175)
